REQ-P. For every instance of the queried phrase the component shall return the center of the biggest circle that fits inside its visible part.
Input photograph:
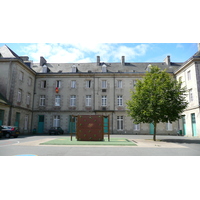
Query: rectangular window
(21, 76)
(56, 121)
(136, 127)
(120, 123)
(26, 122)
(119, 100)
(73, 100)
(88, 100)
(104, 100)
(29, 81)
(42, 100)
(189, 75)
(104, 84)
(88, 84)
(43, 84)
(58, 84)
(119, 83)
(28, 98)
(169, 126)
(19, 96)
(134, 83)
(190, 95)
(57, 100)
(74, 69)
(73, 84)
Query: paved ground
(164, 146)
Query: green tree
(158, 97)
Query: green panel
(105, 124)
(184, 125)
(40, 123)
(151, 128)
(17, 119)
(194, 130)
(1, 117)
(72, 124)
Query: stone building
(42, 95)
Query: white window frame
(43, 84)
(56, 121)
(103, 100)
(21, 76)
(119, 83)
(191, 95)
(104, 84)
(169, 126)
(120, 123)
(57, 100)
(120, 100)
(29, 81)
(134, 83)
(19, 95)
(136, 127)
(88, 83)
(73, 84)
(74, 68)
(28, 98)
(58, 84)
(88, 100)
(42, 100)
(104, 68)
(73, 100)
(26, 122)
(189, 75)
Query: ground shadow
(181, 141)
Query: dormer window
(104, 68)
(74, 68)
(148, 68)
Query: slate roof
(6, 52)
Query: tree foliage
(158, 97)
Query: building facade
(42, 95)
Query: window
(29, 81)
(134, 83)
(119, 84)
(73, 84)
(42, 100)
(104, 100)
(136, 127)
(119, 100)
(190, 95)
(19, 96)
(169, 126)
(26, 122)
(104, 68)
(57, 100)
(180, 79)
(104, 84)
(120, 123)
(58, 84)
(21, 76)
(28, 99)
(43, 84)
(73, 100)
(74, 68)
(189, 75)
(56, 121)
(88, 84)
(88, 100)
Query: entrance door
(72, 124)
(151, 128)
(184, 125)
(105, 125)
(194, 131)
(1, 117)
(40, 123)
(17, 119)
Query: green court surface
(113, 142)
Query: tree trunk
(154, 134)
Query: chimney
(198, 45)
(123, 60)
(98, 60)
(167, 60)
(42, 61)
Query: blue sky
(108, 52)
